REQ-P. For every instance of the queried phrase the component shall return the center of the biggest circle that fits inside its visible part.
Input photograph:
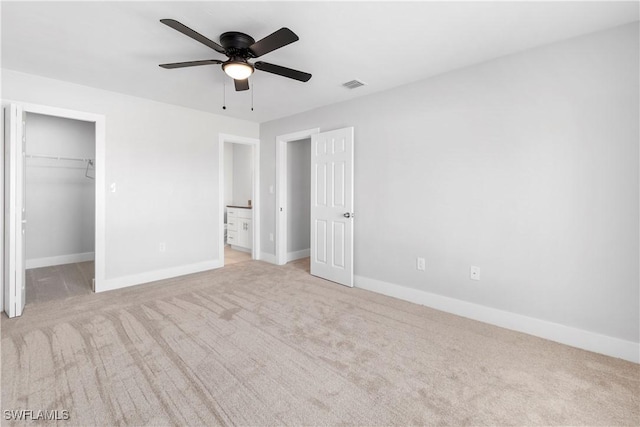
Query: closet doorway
(60, 201)
(239, 199)
(331, 198)
(293, 226)
(54, 217)
(297, 204)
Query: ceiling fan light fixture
(238, 70)
(239, 48)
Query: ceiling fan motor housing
(236, 44)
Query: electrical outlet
(474, 273)
(163, 247)
(112, 187)
(271, 237)
(420, 264)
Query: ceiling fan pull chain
(253, 87)
(224, 95)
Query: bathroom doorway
(239, 199)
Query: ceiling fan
(239, 48)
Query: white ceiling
(118, 45)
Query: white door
(332, 205)
(15, 221)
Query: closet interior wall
(60, 190)
(298, 197)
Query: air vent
(353, 84)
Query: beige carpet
(59, 281)
(257, 344)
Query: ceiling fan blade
(280, 38)
(282, 71)
(241, 84)
(190, 63)
(193, 34)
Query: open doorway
(298, 200)
(54, 158)
(60, 207)
(239, 192)
(331, 192)
(293, 229)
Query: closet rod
(41, 156)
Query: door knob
(348, 215)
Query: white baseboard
(291, 256)
(266, 257)
(152, 276)
(59, 260)
(571, 336)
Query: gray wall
(526, 166)
(164, 160)
(242, 174)
(298, 195)
(60, 200)
(228, 173)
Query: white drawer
(232, 223)
(232, 237)
(243, 213)
(232, 211)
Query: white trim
(255, 192)
(60, 260)
(267, 257)
(13, 279)
(100, 176)
(100, 165)
(152, 276)
(281, 189)
(2, 150)
(47, 110)
(2, 189)
(568, 335)
(292, 256)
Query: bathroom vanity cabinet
(239, 227)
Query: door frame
(13, 278)
(255, 191)
(99, 121)
(281, 189)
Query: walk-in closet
(60, 207)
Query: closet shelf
(43, 156)
(91, 163)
